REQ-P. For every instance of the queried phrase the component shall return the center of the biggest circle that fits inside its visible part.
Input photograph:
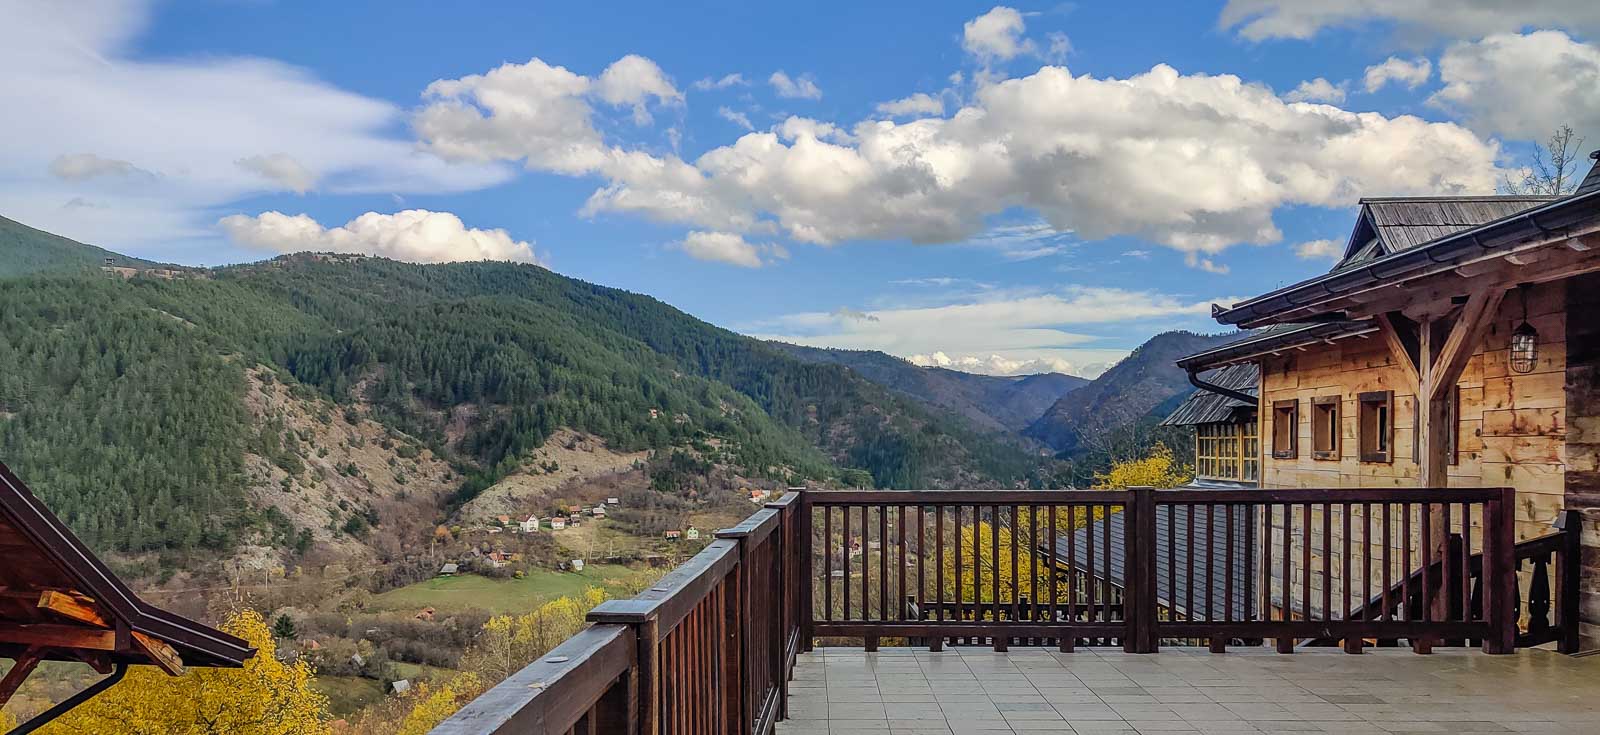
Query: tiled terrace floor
(973, 690)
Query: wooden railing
(1538, 557)
(707, 650)
(710, 648)
(1138, 567)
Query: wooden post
(807, 612)
(649, 673)
(1139, 561)
(1568, 569)
(1500, 573)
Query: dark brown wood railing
(711, 647)
(1138, 567)
(707, 650)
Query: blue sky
(1002, 189)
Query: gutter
(1194, 379)
(1442, 251)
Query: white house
(531, 525)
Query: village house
(557, 523)
(530, 524)
(1456, 343)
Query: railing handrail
(1174, 495)
(676, 593)
(558, 688)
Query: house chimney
(1591, 183)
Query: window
(1285, 434)
(1377, 426)
(1227, 451)
(1250, 452)
(1325, 427)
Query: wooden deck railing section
(709, 649)
(1134, 568)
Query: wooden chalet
(1227, 438)
(1456, 344)
(58, 602)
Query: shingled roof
(1172, 560)
(1393, 224)
(1206, 407)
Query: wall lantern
(1524, 340)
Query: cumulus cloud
(1318, 249)
(1016, 326)
(1194, 162)
(920, 103)
(802, 87)
(413, 235)
(737, 118)
(1317, 90)
(726, 81)
(282, 170)
(534, 112)
(1263, 19)
(76, 71)
(85, 166)
(730, 248)
(634, 80)
(1412, 74)
(1522, 86)
(996, 35)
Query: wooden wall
(1513, 427)
(1583, 433)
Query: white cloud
(920, 103)
(633, 81)
(1060, 47)
(996, 35)
(1523, 86)
(1412, 73)
(993, 364)
(1315, 249)
(1317, 90)
(737, 118)
(1140, 254)
(1195, 162)
(729, 80)
(1207, 264)
(533, 112)
(730, 248)
(1015, 326)
(1262, 19)
(281, 169)
(85, 166)
(413, 235)
(802, 87)
(75, 69)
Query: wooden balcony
(1072, 584)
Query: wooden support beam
(1397, 347)
(58, 636)
(81, 608)
(19, 673)
(161, 654)
(1465, 336)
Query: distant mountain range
(1146, 383)
(25, 250)
(1001, 403)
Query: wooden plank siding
(1582, 430)
(1512, 428)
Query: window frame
(1291, 408)
(1320, 405)
(1369, 436)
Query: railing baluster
(827, 563)
(883, 562)
(1305, 560)
(900, 569)
(1000, 641)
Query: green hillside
(122, 401)
(25, 250)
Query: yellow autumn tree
(1157, 469)
(435, 704)
(510, 642)
(7, 722)
(265, 697)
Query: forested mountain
(123, 400)
(1008, 403)
(25, 250)
(1145, 384)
